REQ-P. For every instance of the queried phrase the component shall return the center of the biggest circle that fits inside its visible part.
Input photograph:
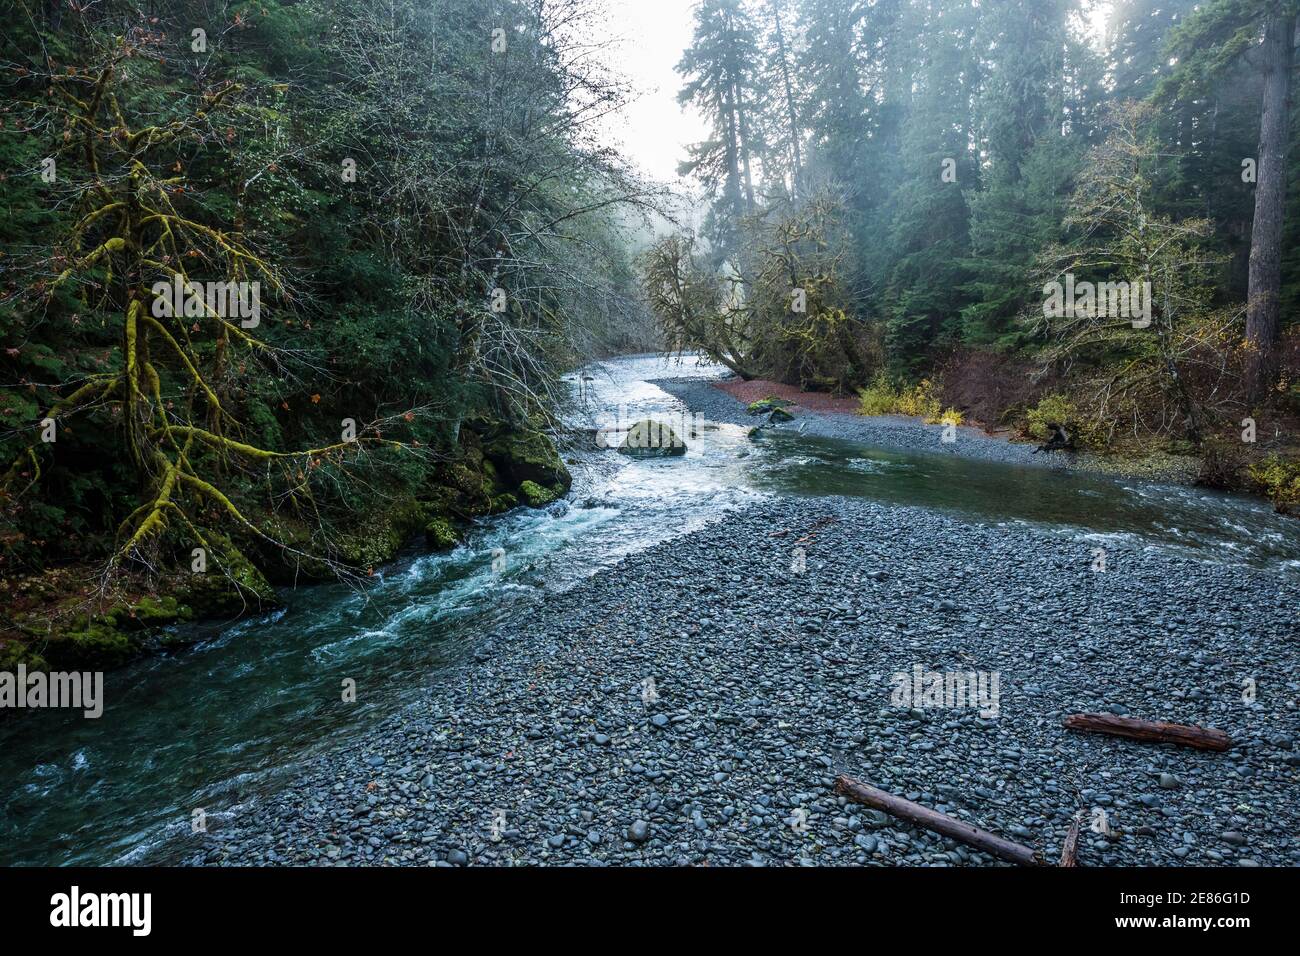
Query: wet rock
(652, 439)
(786, 685)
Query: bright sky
(655, 131)
(1096, 18)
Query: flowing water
(215, 724)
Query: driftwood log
(936, 821)
(1202, 738)
(1070, 849)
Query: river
(211, 726)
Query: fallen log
(1185, 735)
(936, 821)
(1070, 849)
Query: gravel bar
(884, 431)
(772, 671)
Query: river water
(213, 725)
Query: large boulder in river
(651, 439)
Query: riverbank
(96, 615)
(906, 433)
(552, 746)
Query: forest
(415, 195)
(922, 173)
(419, 224)
(613, 433)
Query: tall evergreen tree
(720, 69)
(1031, 111)
(1208, 45)
(780, 113)
(928, 224)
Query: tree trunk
(728, 109)
(796, 174)
(744, 151)
(1070, 849)
(934, 820)
(1155, 731)
(1264, 284)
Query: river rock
(652, 439)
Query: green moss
(535, 495)
(230, 583)
(99, 643)
(651, 439)
(95, 642)
(60, 636)
(381, 535)
(765, 405)
(148, 612)
(13, 653)
(504, 502)
(464, 479)
(441, 534)
(468, 485)
(373, 539)
(527, 455)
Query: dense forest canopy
(896, 183)
(416, 192)
(383, 229)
